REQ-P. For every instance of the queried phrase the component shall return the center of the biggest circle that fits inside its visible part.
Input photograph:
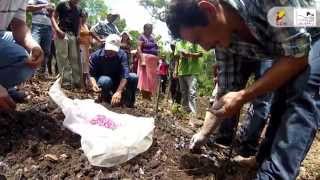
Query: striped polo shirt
(10, 9)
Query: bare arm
(54, 18)
(96, 37)
(94, 85)
(274, 78)
(175, 71)
(93, 32)
(140, 43)
(79, 28)
(195, 55)
(36, 7)
(117, 96)
(22, 35)
(280, 73)
(211, 123)
(122, 85)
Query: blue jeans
(13, 69)
(129, 95)
(260, 111)
(261, 106)
(43, 35)
(295, 119)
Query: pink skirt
(148, 74)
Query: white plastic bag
(107, 138)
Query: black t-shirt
(69, 17)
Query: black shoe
(17, 96)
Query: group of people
(97, 58)
(284, 61)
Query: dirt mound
(35, 145)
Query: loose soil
(35, 145)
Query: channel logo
(280, 17)
(305, 17)
(293, 17)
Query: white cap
(113, 13)
(112, 43)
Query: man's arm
(79, 25)
(93, 30)
(36, 7)
(22, 35)
(93, 72)
(175, 70)
(54, 18)
(195, 56)
(116, 98)
(96, 37)
(122, 85)
(279, 74)
(125, 72)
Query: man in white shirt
(20, 55)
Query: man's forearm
(22, 35)
(93, 80)
(280, 73)
(79, 27)
(36, 7)
(196, 55)
(95, 36)
(122, 85)
(54, 21)
(211, 123)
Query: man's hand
(197, 141)
(5, 100)
(101, 40)
(36, 57)
(116, 98)
(228, 105)
(61, 34)
(78, 39)
(185, 55)
(94, 86)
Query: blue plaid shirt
(273, 42)
(104, 28)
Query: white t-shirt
(41, 16)
(10, 9)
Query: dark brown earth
(35, 145)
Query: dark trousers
(128, 96)
(163, 81)
(175, 90)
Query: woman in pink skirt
(147, 65)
